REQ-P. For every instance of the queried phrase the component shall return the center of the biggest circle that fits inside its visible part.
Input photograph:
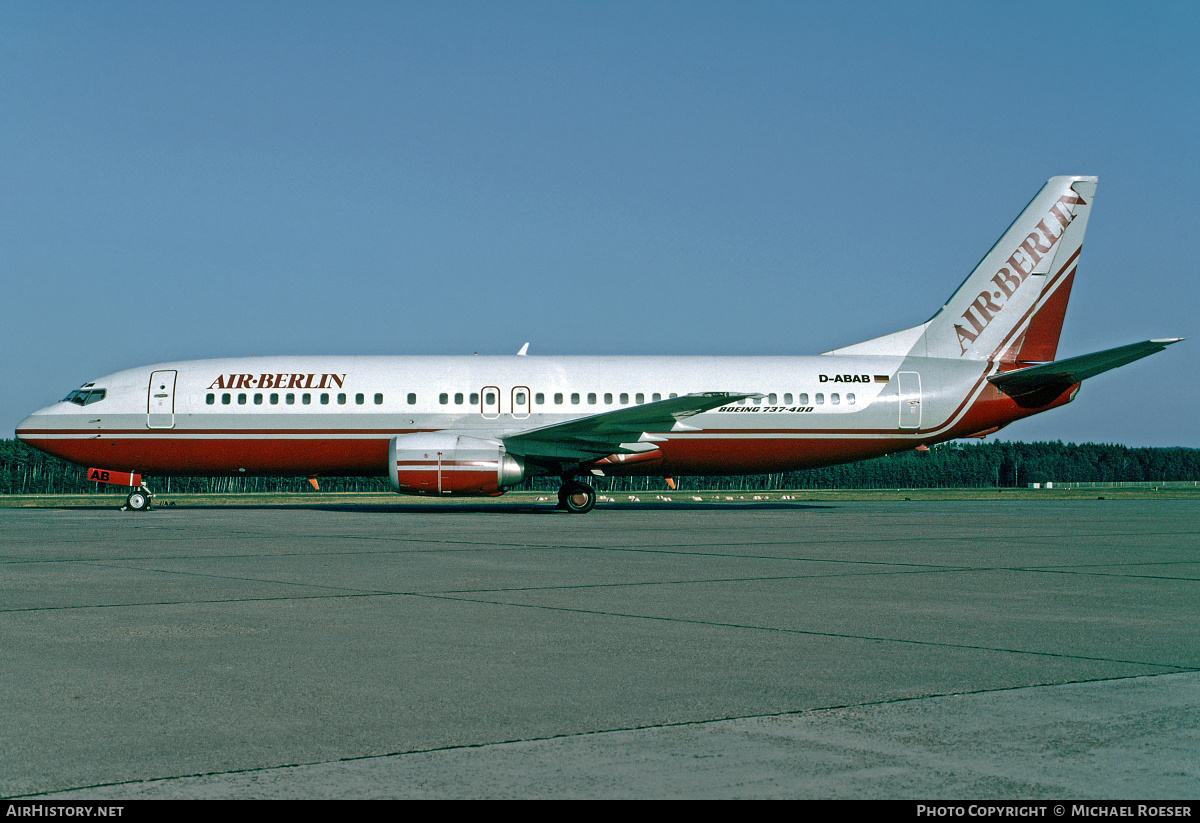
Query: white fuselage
(336, 415)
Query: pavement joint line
(491, 543)
(615, 549)
(599, 613)
(797, 713)
(811, 633)
(900, 567)
(152, 603)
(771, 557)
(353, 592)
(1090, 573)
(350, 592)
(241, 579)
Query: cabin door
(910, 399)
(160, 400)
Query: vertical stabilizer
(1012, 305)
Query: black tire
(138, 501)
(578, 498)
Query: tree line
(999, 464)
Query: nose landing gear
(138, 500)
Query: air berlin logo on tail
(1022, 261)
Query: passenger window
(458, 398)
(520, 398)
(539, 398)
(639, 398)
(225, 399)
(850, 399)
(804, 398)
(241, 399)
(592, 398)
(787, 399)
(558, 398)
(443, 398)
(835, 398)
(291, 399)
(412, 399)
(772, 398)
(474, 397)
(624, 398)
(672, 394)
(257, 399)
(575, 398)
(306, 398)
(820, 399)
(274, 399)
(341, 399)
(656, 397)
(210, 399)
(359, 399)
(489, 398)
(324, 399)
(608, 398)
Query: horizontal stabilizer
(1076, 369)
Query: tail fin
(1011, 307)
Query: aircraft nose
(31, 424)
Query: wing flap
(621, 430)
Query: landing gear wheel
(138, 501)
(576, 497)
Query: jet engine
(445, 463)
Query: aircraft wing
(1076, 369)
(613, 432)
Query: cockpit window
(85, 397)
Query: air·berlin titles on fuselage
(1020, 264)
(278, 381)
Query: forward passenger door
(160, 400)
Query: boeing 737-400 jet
(477, 425)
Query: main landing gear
(138, 500)
(576, 497)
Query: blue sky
(191, 180)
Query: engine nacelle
(444, 463)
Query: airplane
(478, 425)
